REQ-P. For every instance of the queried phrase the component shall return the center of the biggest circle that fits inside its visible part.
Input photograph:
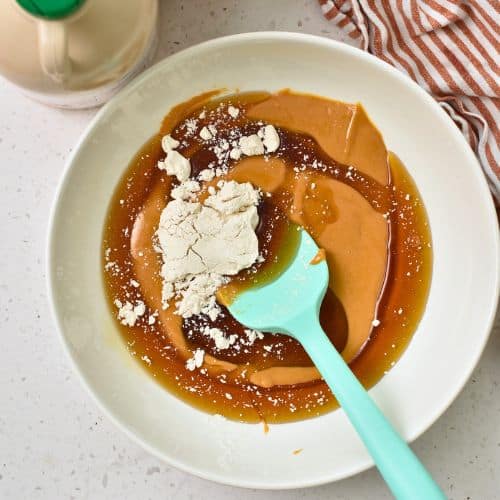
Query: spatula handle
(402, 470)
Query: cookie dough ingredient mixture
(211, 205)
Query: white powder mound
(253, 335)
(207, 174)
(196, 361)
(128, 314)
(176, 164)
(251, 145)
(233, 112)
(235, 153)
(201, 244)
(234, 198)
(168, 143)
(205, 134)
(185, 191)
(266, 140)
(270, 138)
(221, 340)
(197, 294)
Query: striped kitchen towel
(449, 47)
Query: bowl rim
(270, 36)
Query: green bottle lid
(50, 9)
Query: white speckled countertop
(54, 441)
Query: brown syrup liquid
(400, 305)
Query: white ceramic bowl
(461, 304)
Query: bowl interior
(449, 339)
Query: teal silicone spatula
(290, 304)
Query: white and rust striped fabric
(449, 47)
